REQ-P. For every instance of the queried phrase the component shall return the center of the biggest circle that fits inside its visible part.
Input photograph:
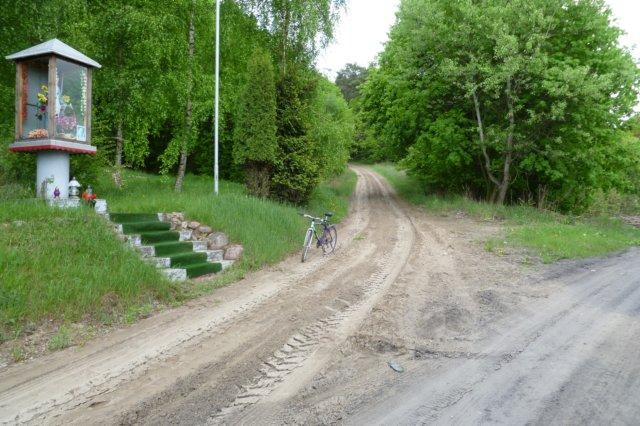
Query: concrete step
(226, 264)
(146, 251)
(199, 246)
(177, 259)
(186, 235)
(134, 240)
(159, 262)
(175, 274)
(214, 255)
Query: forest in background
(509, 101)
(283, 127)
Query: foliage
(349, 80)
(506, 100)
(300, 27)
(331, 128)
(256, 139)
(152, 98)
(550, 236)
(333, 196)
(314, 135)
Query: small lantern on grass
(74, 189)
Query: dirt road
(481, 339)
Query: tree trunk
(483, 145)
(508, 158)
(501, 188)
(542, 196)
(285, 38)
(258, 179)
(117, 174)
(186, 141)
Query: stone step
(174, 252)
(205, 268)
(146, 251)
(226, 264)
(171, 248)
(175, 274)
(199, 246)
(138, 227)
(159, 262)
(155, 237)
(183, 260)
(214, 255)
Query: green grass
(63, 264)
(333, 196)
(583, 239)
(17, 354)
(68, 265)
(548, 235)
(62, 339)
(135, 313)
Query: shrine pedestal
(53, 172)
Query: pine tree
(256, 143)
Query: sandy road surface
(481, 339)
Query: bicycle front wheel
(330, 240)
(307, 244)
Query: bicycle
(327, 241)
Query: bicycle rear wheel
(330, 240)
(307, 243)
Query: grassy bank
(548, 235)
(65, 264)
(68, 265)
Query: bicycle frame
(315, 221)
(314, 224)
(321, 240)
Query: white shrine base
(64, 203)
(53, 167)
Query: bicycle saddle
(328, 214)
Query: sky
(364, 25)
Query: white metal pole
(217, 107)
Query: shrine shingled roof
(56, 47)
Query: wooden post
(19, 95)
(51, 104)
(87, 111)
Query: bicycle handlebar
(318, 219)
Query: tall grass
(550, 236)
(333, 196)
(65, 264)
